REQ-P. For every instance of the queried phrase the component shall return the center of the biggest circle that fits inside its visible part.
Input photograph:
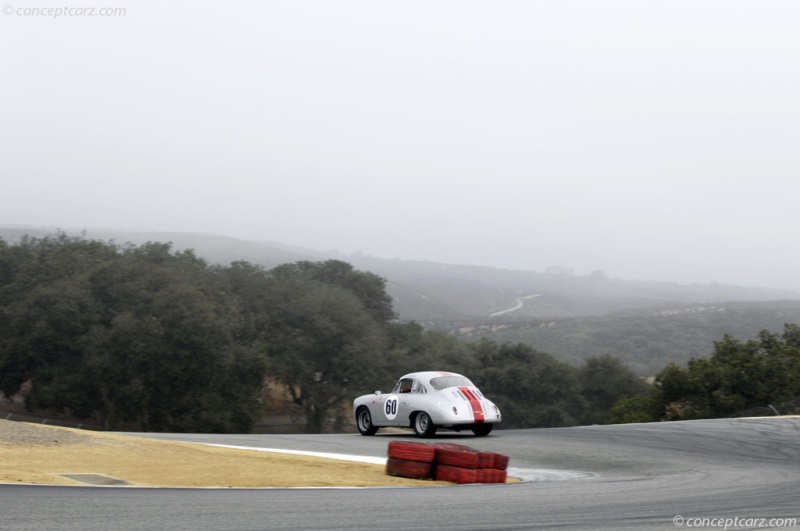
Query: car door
(411, 400)
(388, 415)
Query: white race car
(427, 401)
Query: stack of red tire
(455, 463)
(461, 464)
(411, 460)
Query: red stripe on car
(477, 410)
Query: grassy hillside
(644, 340)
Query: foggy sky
(650, 140)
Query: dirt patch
(47, 455)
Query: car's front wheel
(482, 430)
(423, 425)
(364, 422)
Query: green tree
(322, 343)
(740, 375)
(171, 322)
(531, 388)
(604, 380)
(368, 287)
(46, 313)
(120, 334)
(642, 408)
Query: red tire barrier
(484, 475)
(409, 469)
(455, 474)
(412, 451)
(490, 475)
(450, 462)
(500, 462)
(457, 455)
(486, 459)
(454, 446)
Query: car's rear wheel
(364, 422)
(482, 430)
(423, 425)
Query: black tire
(482, 430)
(364, 422)
(423, 425)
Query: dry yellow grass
(37, 454)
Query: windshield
(443, 382)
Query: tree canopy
(126, 334)
(760, 372)
(155, 338)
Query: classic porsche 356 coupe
(427, 401)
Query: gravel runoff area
(48, 455)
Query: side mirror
(377, 392)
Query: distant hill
(647, 324)
(434, 293)
(646, 340)
(430, 292)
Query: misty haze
(647, 141)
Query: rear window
(443, 382)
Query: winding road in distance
(517, 305)
(635, 476)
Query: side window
(405, 385)
(417, 387)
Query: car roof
(426, 376)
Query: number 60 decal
(390, 407)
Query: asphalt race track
(640, 476)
